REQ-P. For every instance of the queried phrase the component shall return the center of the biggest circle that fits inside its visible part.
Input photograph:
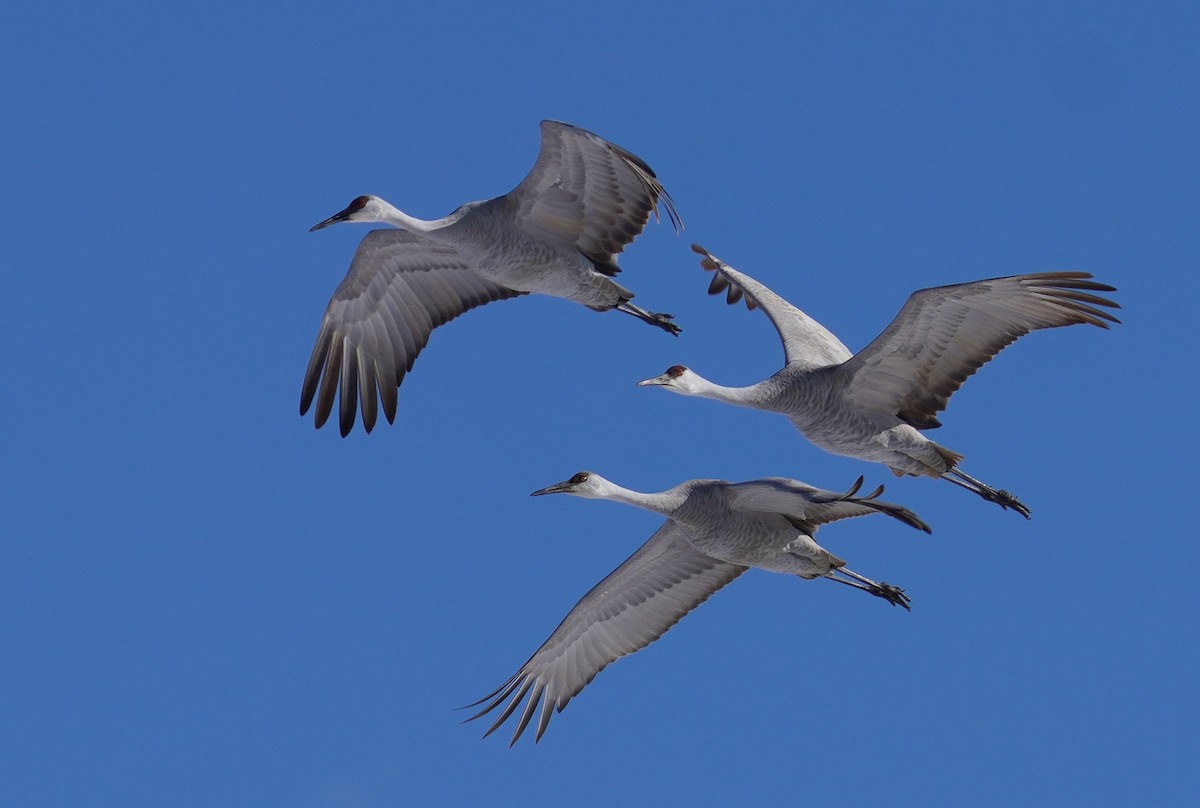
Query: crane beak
(657, 381)
(340, 216)
(557, 488)
(326, 223)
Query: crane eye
(675, 371)
(581, 477)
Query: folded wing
(807, 508)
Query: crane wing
(399, 288)
(631, 608)
(944, 334)
(804, 339)
(807, 508)
(589, 194)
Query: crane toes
(1006, 500)
(663, 321)
(997, 495)
(892, 594)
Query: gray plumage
(871, 405)
(557, 233)
(715, 531)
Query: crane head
(677, 379)
(584, 484)
(362, 209)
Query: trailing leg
(997, 495)
(663, 321)
(892, 594)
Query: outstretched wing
(944, 334)
(628, 610)
(804, 339)
(399, 288)
(807, 508)
(587, 194)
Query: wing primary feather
(659, 198)
(389, 392)
(544, 718)
(316, 361)
(348, 406)
(502, 691)
(904, 515)
(1088, 314)
(333, 362)
(367, 397)
(1073, 293)
(530, 706)
(525, 683)
(1075, 280)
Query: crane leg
(892, 594)
(999, 496)
(663, 321)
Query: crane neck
(759, 396)
(390, 214)
(663, 502)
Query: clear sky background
(205, 602)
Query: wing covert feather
(631, 608)
(944, 334)
(399, 288)
(588, 194)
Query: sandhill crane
(870, 405)
(558, 233)
(715, 531)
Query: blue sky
(206, 602)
